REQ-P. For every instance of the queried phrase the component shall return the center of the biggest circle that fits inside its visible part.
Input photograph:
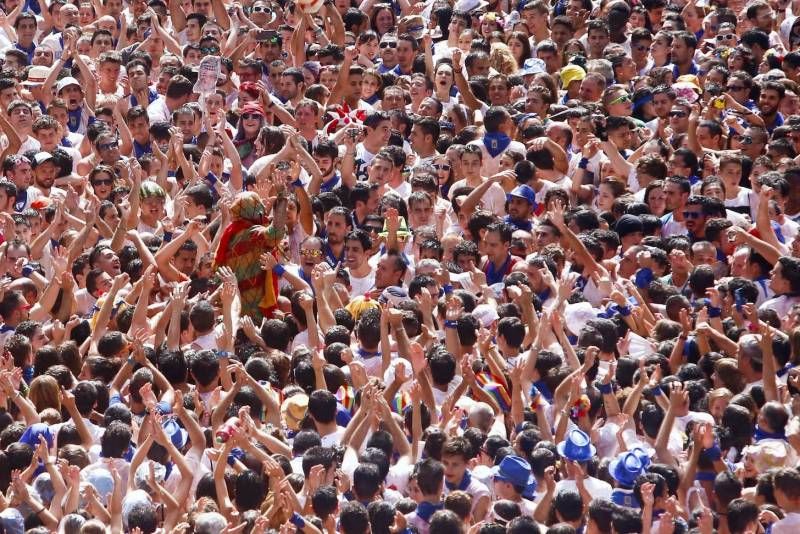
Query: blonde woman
(502, 60)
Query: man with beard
(337, 224)
(684, 45)
(768, 103)
(292, 87)
(44, 176)
(676, 193)
(326, 154)
(520, 207)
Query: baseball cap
(523, 191)
(571, 73)
(41, 157)
(66, 82)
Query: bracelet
(40, 511)
(451, 324)
(279, 270)
(624, 311)
(606, 389)
(713, 312)
(656, 391)
(223, 354)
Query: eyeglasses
(441, 166)
(622, 99)
(311, 252)
(249, 116)
(743, 139)
(733, 88)
(108, 146)
(692, 215)
(679, 114)
(103, 182)
(388, 44)
(726, 37)
(211, 50)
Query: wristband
(131, 361)
(211, 178)
(167, 237)
(606, 389)
(624, 311)
(278, 270)
(223, 354)
(297, 520)
(448, 288)
(657, 391)
(451, 324)
(713, 312)
(583, 163)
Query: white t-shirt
(494, 199)
(359, 286)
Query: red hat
(252, 107)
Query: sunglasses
(212, 50)
(373, 229)
(261, 9)
(441, 166)
(744, 139)
(311, 252)
(388, 44)
(621, 99)
(726, 37)
(103, 182)
(692, 215)
(680, 114)
(736, 88)
(249, 116)
(108, 146)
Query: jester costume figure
(243, 242)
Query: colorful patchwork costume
(241, 245)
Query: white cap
(66, 82)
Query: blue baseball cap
(525, 192)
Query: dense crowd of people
(504, 267)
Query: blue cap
(625, 468)
(516, 471)
(524, 191)
(577, 447)
(177, 435)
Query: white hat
(577, 315)
(36, 75)
(465, 6)
(485, 314)
(66, 82)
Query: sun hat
(577, 446)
